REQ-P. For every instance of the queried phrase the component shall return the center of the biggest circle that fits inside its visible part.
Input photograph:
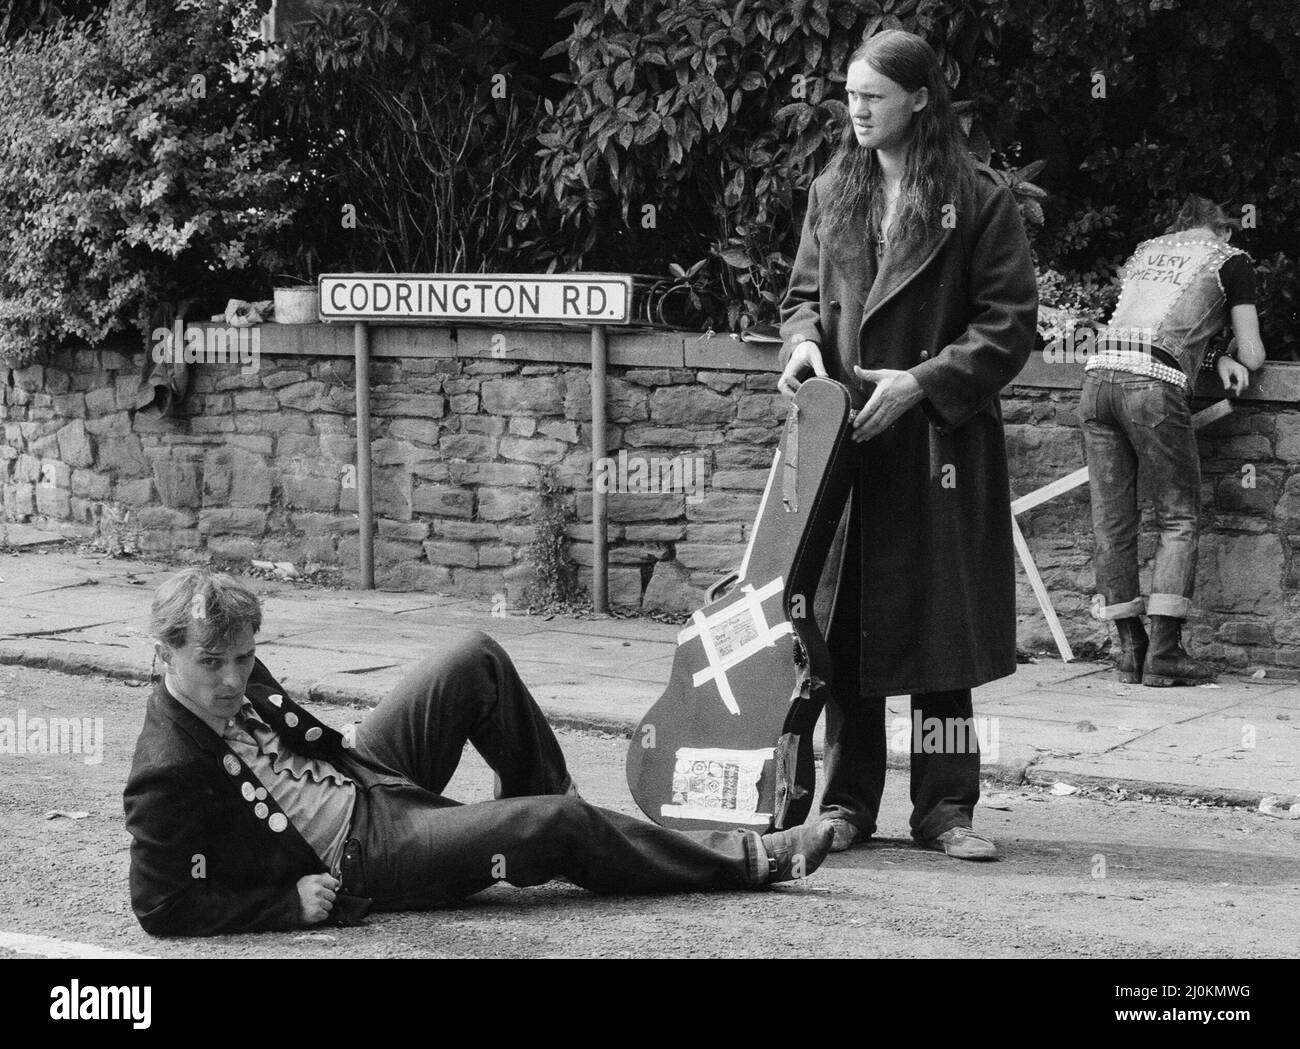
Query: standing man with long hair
(914, 287)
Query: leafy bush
(1089, 296)
(1124, 106)
(555, 583)
(716, 115)
(1078, 236)
(1150, 100)
(1136, 103)
(24, 16)
(1278, 286)
(128, 173)
(681, 139)
(419, 125)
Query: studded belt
(1136, 363)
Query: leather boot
(1132, 649)
(797, 852)
(1166, 663)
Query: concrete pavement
(1236, 742)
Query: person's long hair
(936, 152)
(1197, 212)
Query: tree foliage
(24, 16)
(128, 173)
(1118, 108)
(1136, 103)
(694, 129)
(418, 124)
(676, 137)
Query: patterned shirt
(317, 798)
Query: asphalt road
(1097, 877)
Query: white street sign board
(585, 298)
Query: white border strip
(771, 475)
(698, 812)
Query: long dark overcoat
(926, 597)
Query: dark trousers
(945, 767)
(945, 783)
(415, 848)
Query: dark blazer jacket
(933, 599)
(212, 852)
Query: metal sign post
(365, 501)
(594, 299)
(599, 509)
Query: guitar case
(728, 746)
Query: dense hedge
(413, 135)
(661, 136)
(1135, 103)
(129, 174)
(691, 132)
(1129, 104)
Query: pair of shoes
(1132, 650)
(845, 834)
(962, 843)
(1166, 662)
(797, 852)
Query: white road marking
(49, 947)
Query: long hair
(1201, 211)
(936, 155)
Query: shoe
(845, 834)
(1166, 662)
(962, 843)
(1133, 643)
(797, 852)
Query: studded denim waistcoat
(1172, 297)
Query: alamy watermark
(653, 475)
(91, 1002)
(208, 344)
(24, 735)
(1077, 344)
(945, 736)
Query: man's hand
(806, 355)
(316, 897)
(1234, 375)
(895, 393)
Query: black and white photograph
(656, 480)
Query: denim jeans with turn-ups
(1138, 432)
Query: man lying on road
(247, 813)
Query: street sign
(593, 299)
(585, 298)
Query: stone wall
(262, 466)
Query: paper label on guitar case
(719, 785)
(736, 631)
(733, 635)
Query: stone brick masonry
(262, 466)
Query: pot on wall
(299, 304)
